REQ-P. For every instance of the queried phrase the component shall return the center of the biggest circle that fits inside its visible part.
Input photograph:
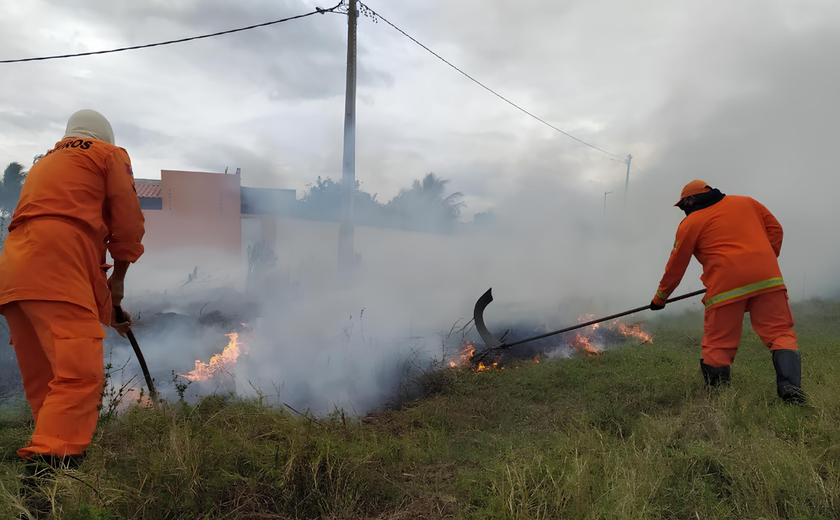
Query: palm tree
(425, 202)
(13, 177)
(431, 189)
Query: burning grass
(591, 341)
(220, 364)
(466, 359)
(627, 434)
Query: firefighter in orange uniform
(78, 202)
(737, 240)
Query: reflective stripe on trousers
(743, 291)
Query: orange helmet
(694, 187)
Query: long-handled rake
(120, 318)
(492, 343)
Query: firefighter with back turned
(737, 241)
(78, 202)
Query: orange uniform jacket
(737, 241)
(77, 201)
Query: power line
(485, 87)
(170, 42)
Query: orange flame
(466, 354)
(219, 363)
(465, 358)
(582, 340)
(634, 331)
(484, 368)
(589, 317)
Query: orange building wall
(200, 212)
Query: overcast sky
(741, 94)
(630, 77)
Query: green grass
(632, 434)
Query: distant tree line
(424, 206)
(13, 177)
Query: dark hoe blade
(493, 343)
(478, 315)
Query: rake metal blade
(492, 343)
(478, 315)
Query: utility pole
(346, 252)
(605, 202)
(627, 182)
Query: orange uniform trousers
(59, 351)
(770, 317)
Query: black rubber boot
(788, 366)
(39, 473)
(714, 376)
(41, 465)
(31, 493)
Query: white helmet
(89, 123)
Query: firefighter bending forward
(737, 240)
(77, 202)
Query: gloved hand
(655, 306)
(122, 327)
(117, 286)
